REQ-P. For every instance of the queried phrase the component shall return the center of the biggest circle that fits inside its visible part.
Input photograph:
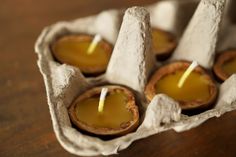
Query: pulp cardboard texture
(131, 64)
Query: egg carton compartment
(131, 64)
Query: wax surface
(74, 52)
(115, 112)
(230, 66)
(195, 87)
(160, 40)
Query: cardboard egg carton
(131, 64)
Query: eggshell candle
(119, 116)
(163, 43)
(76, 50)
(198, 91)
(225, 64)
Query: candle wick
(102, 99)
(183, 78)
(94, 44)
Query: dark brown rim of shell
(171, 68)
(124, 129)
(165, 53)
(223, 57)
(84, 37)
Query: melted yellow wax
(160, 40)
(230, 66)
(114, 114)
(74, 52)
(196, 87)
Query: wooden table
(25, 124)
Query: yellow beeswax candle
(196, 86)
(163, 43)
(230, 66)
(114, 113)
(78, 50)
(196, 91)
(117, 115)
(225, 64)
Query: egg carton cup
(131, 64)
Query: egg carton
(209, 29)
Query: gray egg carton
(131, 63)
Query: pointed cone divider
(200, 37)
(132, 59)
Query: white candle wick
(183, 78)
(94, 44)
(102, 99)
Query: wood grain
(25, 125)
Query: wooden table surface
(25, 124)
